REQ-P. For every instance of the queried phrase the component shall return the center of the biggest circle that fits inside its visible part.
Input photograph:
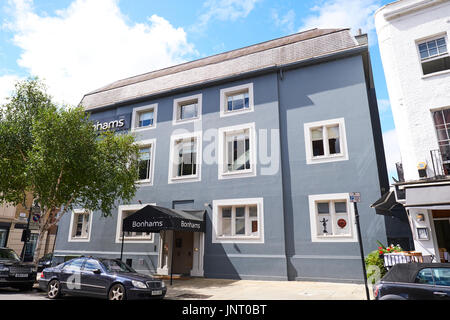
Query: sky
(77, 46)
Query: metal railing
(392, 259)
(441, 163)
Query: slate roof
(282, 51)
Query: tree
(55, 154)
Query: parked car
(415, 281)
(14, 273)
(45, 262)
(98, 277)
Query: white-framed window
(187, 109)
(144, 118)
(237, 151)
(238, 221)
(146, 163)
(325, 141)
(236, 100)
(80, 226)
(135, 237)
(433, 53)
(332, 218)
(185, 157)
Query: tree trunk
(47, 242)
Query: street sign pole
(355, 198)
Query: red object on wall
(342, 223)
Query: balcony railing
(441, 163)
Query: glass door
(442, 227)
(3, 237)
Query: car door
(93, 283)
(423, 287)
(70, 276)
(441, 289)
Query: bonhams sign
(117, 123)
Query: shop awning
(386, 204)
(154, 219)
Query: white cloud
(286, 21)
(7, 83)
(352, 14)
(224, 10)
(91, 44)
(392, 151)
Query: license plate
(157, 293)
(21, 275)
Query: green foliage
(375, 259)
(55, 154)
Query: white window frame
(134, 118)
(131, 207)
(152, 144)
(194, 178)
(313, 199)
(435, 57)
(217, 204)
(179, 101)
(227, 91)
(343, 156)
(72, 237)
(222, 156)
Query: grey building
(269, 139)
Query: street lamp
(26, 235)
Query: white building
(413, 38)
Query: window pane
(144, 163)
(441, 276)
(74, 265)
(188, 111)
(433, 51)
(323, 207)
(226, 227)
(253, 211)
(340, 207)
(240, 212)
(238, 151)
(333, 140)
(424, 54)
(431, 44)
(423, 47)
(226, 212)
(254, 226)
(438, 118)
(447, 115)
(91, 265)
(146, 119)
(324, 225)
(424, 276)
(440, 41)
(442, 49)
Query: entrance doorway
(442, 229)
(183, 252)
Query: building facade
(413, 38)
(269, 139)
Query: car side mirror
(97, 271)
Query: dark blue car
(98, 277)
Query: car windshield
(116, 266)
(8, 254)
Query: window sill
(325, 159)
(430, 75)
(232, 113)
(237, 174)
(142, 129)
(195, 178)
(144, 183)
(334, 238)
(79, 239)
(237, 239)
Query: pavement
(220, 289)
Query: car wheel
(117, 292)
(53, 289)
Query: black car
(45, 262)
(415, 281)
(98, 277)
(14, 273)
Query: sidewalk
(219, 289)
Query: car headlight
(163, 284)
(139, 284)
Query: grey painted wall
(320, 92)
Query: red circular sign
(342, 223)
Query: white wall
(413, 95)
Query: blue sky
(80, 45)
